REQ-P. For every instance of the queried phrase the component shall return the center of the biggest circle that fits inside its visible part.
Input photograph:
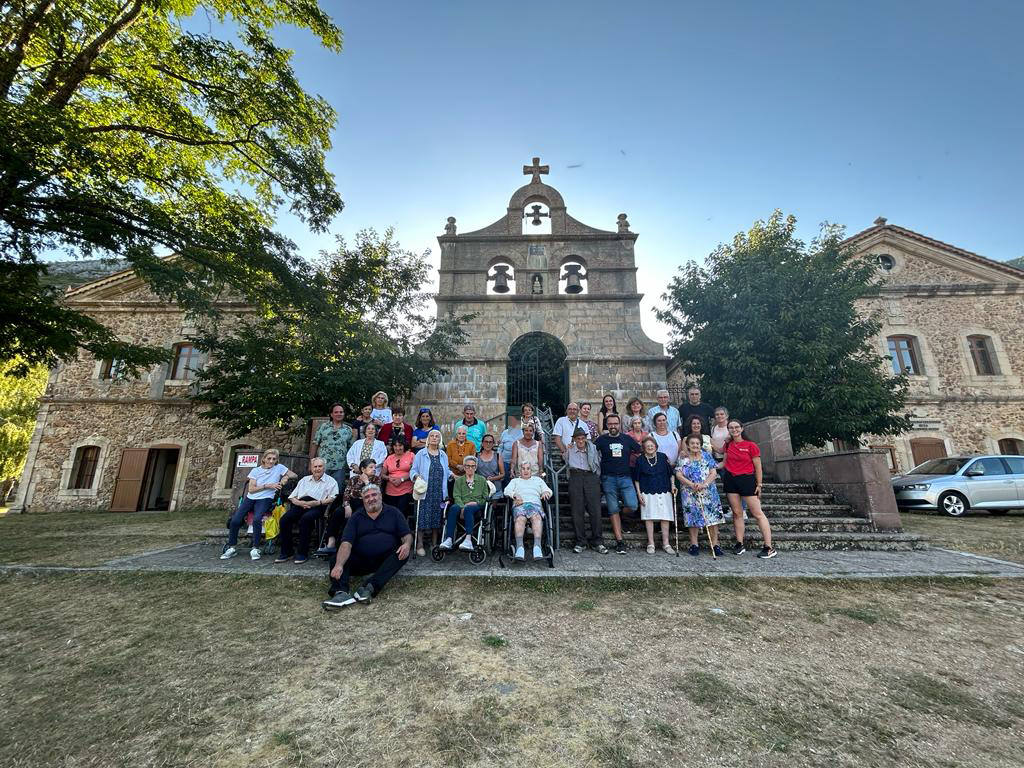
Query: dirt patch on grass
(92, 538)
(999, 536)
(189, 669)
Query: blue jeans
(616, 489)
(260, 508)
(453, 515)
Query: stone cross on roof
(536, 169)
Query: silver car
(956, 484)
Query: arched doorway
(538, 373)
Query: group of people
(666, 453)
(366, 473)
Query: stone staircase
(802, 517)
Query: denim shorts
(618, 492)
(527, 510)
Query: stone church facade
(557, 315)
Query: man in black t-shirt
(694, 407)
(616, 474)
(376, 541)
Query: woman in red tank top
(741, 479)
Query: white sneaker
(255, 554)
(248, 531)
(538, 553)
(446, 544)
(228, 553)
(467, 544)
(520, 554)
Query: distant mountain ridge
(66, 274)
(1018, 262)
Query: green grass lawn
(999, 536)
(145, 669)
(91, 538)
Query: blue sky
(695, 119)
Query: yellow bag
(272, 523)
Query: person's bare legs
(616, 526)
(737, 515)
(664, 533)
(537, 526)
(754, 505)
(714, 535)
(649, 524)
(520, 527)
(693, 535)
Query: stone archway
(538, 373)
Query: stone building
(557, 310)
(106, 441)
(954, 322)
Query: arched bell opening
(537, 219)
(572, 279)
(501, 280)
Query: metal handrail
(557, 476)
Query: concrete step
(801, 524)
(785, 540)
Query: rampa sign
(247, 460)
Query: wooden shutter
(130, 475)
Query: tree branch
(78, 70)
(161, 134)
(9, 70)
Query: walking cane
(707, 530)
(675, 516)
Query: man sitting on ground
(376, 541)
(309, 502)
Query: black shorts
(744, 485)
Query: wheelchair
(508, 536)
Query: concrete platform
(204, 557)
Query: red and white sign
(247, 460)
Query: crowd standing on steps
(373, 476)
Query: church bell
(572, 279)
(536, 215)
(500, 279)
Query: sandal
(668, 549)
(650, 549)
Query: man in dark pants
(376, 541)
(585, 491)
(309, 502)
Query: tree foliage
(270, 371)
(126, 131)
(770, 326)
(19, 397)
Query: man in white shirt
(566, 427)
(312, 496)
(670, 411)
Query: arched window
(983, 355)
(536, 219)
(906, 356)
(185, 362)
(83, 472)
(1011, 446)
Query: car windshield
(945, 466)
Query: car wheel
(997, 512)
(953, 504)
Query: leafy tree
(18, 405)
(771, 326)
(125, 131)
(271, 371)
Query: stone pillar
(858, 478)
(771, 433)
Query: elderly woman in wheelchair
(469, 497)
(527, 493)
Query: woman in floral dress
(702, 507)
